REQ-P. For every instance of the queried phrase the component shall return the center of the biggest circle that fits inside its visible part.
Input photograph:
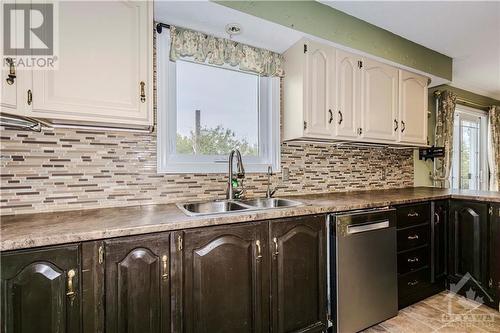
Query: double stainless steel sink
(230, 206)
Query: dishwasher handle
(355, 229)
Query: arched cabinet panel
(412, 108)
(138, 284)
(225, 285)
(379, 101)
(468, 251)
(348, 110)
(320, 63)
(36, 290)
(298, 274)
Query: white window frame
(468, 113)
(170, 162)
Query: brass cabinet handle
(259, 250)
(275, 240)
(331, 116)
(413, 237)
(412, 214)
(396, 125)
(341, 118)
(164, 261)
(179, 243)
(403, 126)
(143, 91)
(11, 77)
(30, 97)
(412, 260)
(413, 283)
(71, 293)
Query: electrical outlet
(285, 174)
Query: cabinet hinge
(179, 243)
(360, 64)
(305, 124)
(305, 48)
(100, 255)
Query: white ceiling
(469, 32)
(209, 17)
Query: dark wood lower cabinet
(225, 279)
(298, 274)
(468, 232)
(137, 284)
(494, 249)
(267, 276)
(41, 290)
(469, 250)
(439, 241)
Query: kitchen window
(205, 111)
(470, 161)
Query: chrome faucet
(240, 175)
(269, 192)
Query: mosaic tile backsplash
(67, 169)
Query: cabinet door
(226, 279)
(494, 251)
(412, 108)
(320, 63)
(348, 109)
(379, 101)
(439, 224)
(468, 236)
(40, 290)
(8, 97)
(137, 284)
(104, 55)
(298, 274)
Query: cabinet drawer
(413, 260)
(413, 237)
(414, 287)
(413, 214)
(414, 282)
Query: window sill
(212, 168)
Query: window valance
(204, 48)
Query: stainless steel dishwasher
(363, 272)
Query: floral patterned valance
(204, 48)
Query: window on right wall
(470, 159)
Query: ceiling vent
(233, 29)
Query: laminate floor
(444, 312)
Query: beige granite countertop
(32, 230)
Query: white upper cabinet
(412, 100)
(320, 61)
(309, 91)
(104, 69)
(379, 101)
(8, 97)
(348, 108)
(330, 94)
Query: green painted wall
(422, 169)
(328, 23)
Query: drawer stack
(414, 253)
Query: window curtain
(494, 147)
(444, 137)
(203, 48)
